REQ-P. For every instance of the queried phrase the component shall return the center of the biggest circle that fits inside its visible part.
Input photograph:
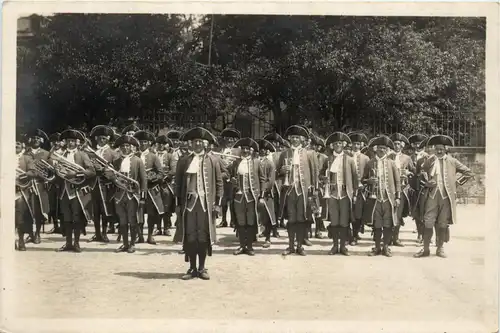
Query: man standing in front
(198, 188)
(297, 166)
(154, 172)
(440, 172)
(382, 176)
(76, 193)
(406, 169)
(360, 161)
(340, 181)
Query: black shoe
(122, 248)
(440, 252)
(239, 251)
(354, 242)
(223, 224)
(203, 274)
(334, 250)
(54, 231)
(397, 243)
(76, 247)
(105, 238)
(422, 253)
(386, 251)
(275, 233)
(375, 252)
(167, 232)
(267, 244)
(131, 249)
(250, 251)
(140, 240)
(30, 239)
(344, 251)
(318, 235)
(37, 239)
(157, 232)
(151, 240)
(301, 251)
(182, 252)
(307, 242)
(20, 246)
(190, 274)
(282, 225)
(65, 248)
(288, 251)
(119, 238)
(95, 238)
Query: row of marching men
(291, 179)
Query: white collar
(296, 148)
(128, 156)
(102, 147)
(380, 158)
(71, 151)
(34, 151)
(338, 154)
(198, 154)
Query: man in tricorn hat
(76, 193)
(406, 169)
(228, 137)
(102, 189)
(129, 200)
(56, 145)
(440, 174)
(248, 179)
(154, 202)
(359, 140)
(165, 156)
(23, 208)
(297, 166)
(383, 178)
(318, 145)
(418, 157)
(198, 188)
(341, 179)
(267, 213)
(41, 206)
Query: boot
(395, 237)
(355, 230)
(306, 234)
(343, 234)
(425, 251)
(105, 238)
(440, 236)
(68, 230)
(291, 240)
(387, 237)
(76, 245)
(335, 235)
(242, 239)
(151, 239)
(21, 246)
(301, 241)
(133, 232)
(275, 232)
(249, 242)
(124, 233)
(377, 236)
(140, 233)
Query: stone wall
(474, 190)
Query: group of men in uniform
(115, 180)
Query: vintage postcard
(249, 167)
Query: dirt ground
(99, 283)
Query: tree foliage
(380, 74)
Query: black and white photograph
(207, 171)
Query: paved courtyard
(99, 283)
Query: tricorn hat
(417, 138)
(144, 136)
(337, 136)
(297, 130)
(126, 139)
(73, 134)
(55, 137)
(199, 133)
(273, 136)
(230, 133)
(41, 134)
(440, 139)
(382, 140)
(102, 130)
(131, 128)
(174, 134)
(246, 142)
(358, 137)
(162, 139)
(264, 144)
(400, 137)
